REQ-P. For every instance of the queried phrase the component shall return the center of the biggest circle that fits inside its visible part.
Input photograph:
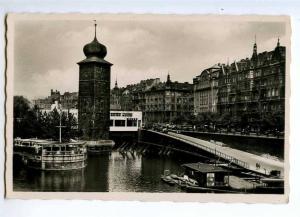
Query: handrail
(214, 151)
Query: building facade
(131, 97)
(206, 90)
(116, 97)
(168, 101)
(56, 105)
(126, 121)
(94, 92)
(68, 100)
(254, 86)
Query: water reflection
(36, 180)
(97, 172)
(115, 172)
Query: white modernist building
(125, 121)
(119, 120)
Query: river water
(113, 172)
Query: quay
(248, 161)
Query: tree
(24, 118)
(31, 122)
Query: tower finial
(116, 82)
(254, 54)
(95, 23)
(278, 42)
(168, 78)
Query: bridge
(248, 161)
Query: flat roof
(45, 142)
(205, 168)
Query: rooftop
(204, 168)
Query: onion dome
(95, 49)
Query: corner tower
(94, 92)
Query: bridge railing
(213, 151)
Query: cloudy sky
(140, 47)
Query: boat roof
(272, 180)
(50, 142)
(205, 168)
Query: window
(131, 122)
(120, 123)
(210, 179)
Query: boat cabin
(207, 175)
(51, 155)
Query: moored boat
(51, 155)
(166, 177)
(198, 189)
(168, 180)
(100, 146)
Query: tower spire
(278, 42)
(116, 82)
(95, 23)
(254, 55)
(168, 79)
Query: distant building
(115, 97)
(206, 90)
(159, 101)
(67, 100)
(165, 102)
(131, 97)
(56, 105)
(255, 85)
(252, 86)
(119, 120)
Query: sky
(47, 49)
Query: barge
(99, 146)
(51, 155)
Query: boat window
(48, 148)
(68, 148)
(226, 180)
(210, 179)
(55, 148)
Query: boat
(51, 155)
(168, 180)
(198, 189)
(100, 146)
(184, 180)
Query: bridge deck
(241, 158)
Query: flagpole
(60, 127)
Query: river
(115, 172)
(104, 173)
